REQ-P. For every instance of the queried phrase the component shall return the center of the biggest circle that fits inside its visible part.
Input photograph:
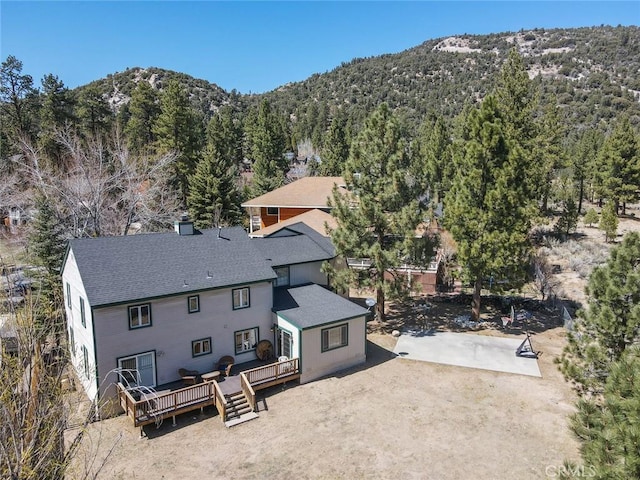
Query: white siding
(83, 335)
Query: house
(306, 201)
(156, 303)
(293, 199)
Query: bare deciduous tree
(102, 189)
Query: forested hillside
(583, 82)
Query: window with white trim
(246, 340)
(335, 337)
(68, 295)
(85, 362)
(201, 347)
(83, 318)
(283, 276)
(138, 369)
(72, 341)
(240, 298)
(139, 316)
(193, 304)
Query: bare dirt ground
(391, 418)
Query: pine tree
(549, 151)
(47, 239)
(583, 160)
(378, 216)
(224, 134)
(178, 129)
(55, 113)
(590, 217)
(336, 148)
(611, 322)
(609, 429)
(214, 199)
(267, 144)
(16, 104)
(93, 112)
(609, 222)
(144, 110)
(435, 152)
(488, 209)
(620, 160)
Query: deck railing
(156, 406)
(220, 401)
(153, 407)
(248, 391)
(273, 373)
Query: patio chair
(225, 364)
(189, 377)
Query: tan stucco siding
(307, 273)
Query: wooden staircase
(238, 410)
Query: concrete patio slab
(466, 350)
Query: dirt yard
(391, 418)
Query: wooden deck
(144, 406)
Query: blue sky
(258, 46)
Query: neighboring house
(293, 199)
(156, 303)
(306, 201)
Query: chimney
(183, 226)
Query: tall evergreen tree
(178, 129)
(549, 149)
(488, 209)
(47, 239)
(144, 109)
(583, 160)
(214, 198)
(377, 218)
(609, 428)
(16, 103)
(336, 147)
(435, 152)
(611, 322)
(267, 144)
(620, 161)
(224, 134)
(56, 112)
(94, 112)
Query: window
(240, 298)
(72, 341)
(85, 362)
(139, 316)
(138, 369)
(193, 304)
(272, 211)
(68, 295)
(283, 276)
(201, 347)
(335, 337)
(83, 319)
(246, 340)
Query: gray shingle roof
(125, 269)
(310, 306)
(295, 244)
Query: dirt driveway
(392, 418)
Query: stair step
(240, 419)
(238, 411)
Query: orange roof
(315, 219)
(308, 192)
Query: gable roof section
(307, 192)
(315, 219)
(126, 269)
(295, 244)
(312, 306)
